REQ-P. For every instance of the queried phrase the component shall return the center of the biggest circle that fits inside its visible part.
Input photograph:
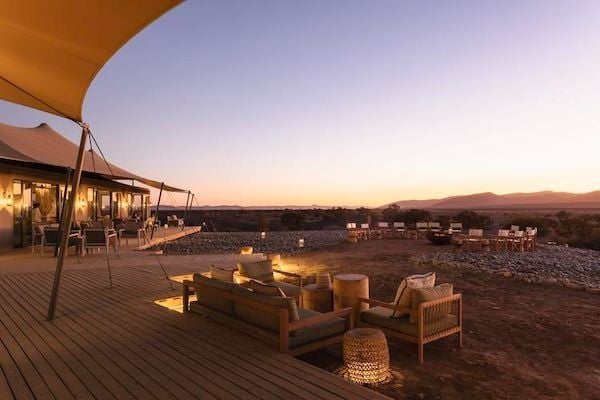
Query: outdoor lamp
(5, 200)
(301, 242)
(263, 235)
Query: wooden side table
(347, 289)
(317, 299)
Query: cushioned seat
(318, 331)
(209, 300)
(289, 289)
(381, 316)
(301, 337)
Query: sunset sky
(352, 102)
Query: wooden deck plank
(341, 387)
(111, 342)
(71, 352)
(99, 338)
(272, 371)
(5, 392)
(118, 334)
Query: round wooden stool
(317, 299)
(347, 288)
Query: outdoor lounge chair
(434, 227)
(501, 241)
(101, 238)
(264, 272)
(435, 319)
(456, 227)
(399, 229)
(51, 238)
(475, 240)
(133, 229)
(272, 319)
(173, 221)
(38, 233)
(530, 238)
(517, 241)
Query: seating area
(249, 299)
(512, 239)
(397, 230)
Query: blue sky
(352, 102)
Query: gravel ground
(232, 242)
(558, 265)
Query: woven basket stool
(366, 356)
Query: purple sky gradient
(352, 102)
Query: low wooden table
(347, 290)
(317, 299)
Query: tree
(471, 219)
(414, 215)
(293, 220)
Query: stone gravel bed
(231, 242)
(555, 265)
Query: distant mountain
(517, 200)
(236, 207)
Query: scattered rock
(274, 242)
(554, 265)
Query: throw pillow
(268, 290)
(429, 294)
(404, 293)
(221, 274)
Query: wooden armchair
(436, 319)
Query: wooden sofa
(274, 320)
(264, 272)
(436, 319)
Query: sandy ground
(522, 341)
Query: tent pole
(66, 220)
(162, 185)
(64, 204)
(186, 210)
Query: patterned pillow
(404, 293)
(429, 294)
(268, 290)
(221, 274)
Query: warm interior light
(5, 199)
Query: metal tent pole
(66, 222)
(162, 185)
(186, 210)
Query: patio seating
(133, 228)
(399, 229)
(517, 241)
(435, 313)
(38, 233)
(173, 221)
(275, 320)
(501, 241)
(51, 238)
(422, 228)
(514, 228)
(102, 238)
(264, 272)
(475, 240)
(456, 227)
(530, 238)
(434, 227)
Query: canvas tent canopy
(43, 145)
(50, 51)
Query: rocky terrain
(556, 265)
(274, 242)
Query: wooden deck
(118, 344)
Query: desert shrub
(413, 216)
(471, 219)
(589, 241)
(292, 220)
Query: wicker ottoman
(366, 356)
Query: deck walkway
(118, 344)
